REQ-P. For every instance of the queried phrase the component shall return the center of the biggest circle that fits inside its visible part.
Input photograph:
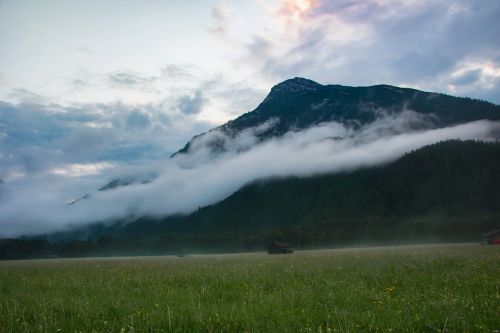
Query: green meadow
(433, 288)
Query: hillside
(448, 190)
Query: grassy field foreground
(451, 288)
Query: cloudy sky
(92, 86)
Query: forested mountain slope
(448, 189)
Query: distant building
(278, 248)
(492, 237)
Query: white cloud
(79, 170)
(188, 182)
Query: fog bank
(38, 204)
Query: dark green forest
(445, 192)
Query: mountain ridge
(301, 103)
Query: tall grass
(453, 288)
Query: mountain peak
(298, 104)
(296, 84)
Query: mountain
(300, 103)
(446, 191)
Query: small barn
(278, 248)
(492, 237)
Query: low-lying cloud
(38, 203)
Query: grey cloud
(39, 136)
(220, 21)
(468, 77)
(35, 138)
(159, 82)
(182, 89)
(33, 142)
(352, 10)
(83, 49)
(26, 96)
(260, 47)
(84, 142)
(174, 71)
(79, 83)
(490, 93)
(184, 71)
(137, 120)
(421, 43)
(128, 79)
(191, 104)
(242, 95)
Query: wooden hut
(492, 237)
(278, 248)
